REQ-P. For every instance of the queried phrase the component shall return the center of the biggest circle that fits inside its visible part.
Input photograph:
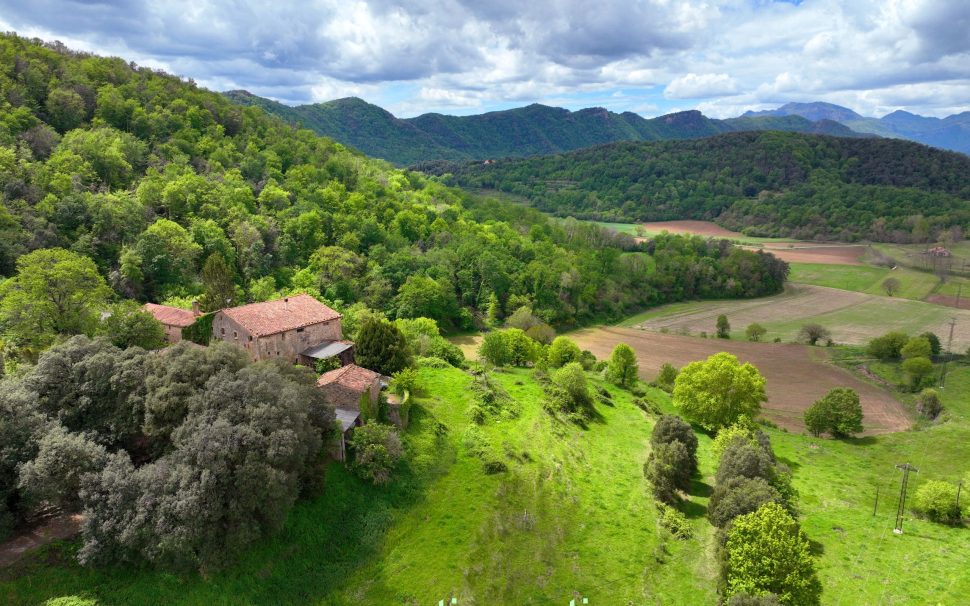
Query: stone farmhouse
(173, 319)
(299, 329)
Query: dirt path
(61, 527)
(797, 375)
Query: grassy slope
(574, 515)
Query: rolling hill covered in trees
(525, 131)
(142, 179)
(762, 183)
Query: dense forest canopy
(140, 185)
(763, 183)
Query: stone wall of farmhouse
(287, 345)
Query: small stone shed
(173, 319)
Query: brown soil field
(700, 228)
(797, 375)
(949, 301)
(816, 253)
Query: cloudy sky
(469, 56)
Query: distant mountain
(952, 132)
(525, 131)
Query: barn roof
(352, 377)
(347, 417)
(281, 315)
(327, 349)
(171, 316)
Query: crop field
(913, 284)
(852, 317)
(797, 374)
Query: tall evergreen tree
(220, 290)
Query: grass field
(571, 517)
(852, 317)
(916, 285)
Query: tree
(755, 332)
(667, 376)
(54, 475)
(377, 449)
(888, 346)
(768, 553)
(22, 424)
(917, 369)
(54, 292)
(571, 389)
(381, 347)
(891, 286)
(421, 296)
(129, 325)
(623, 368)
(668, 469)
(917, 347)
(65, 109)
(937, 500)
(813, 333)
(723, 327)
(716, 392)
(562, 351)
(671, 428)
(935, 346)
(742, 430)
(167, 254)
(738, 496)
(743, 459)
(219, 288)
(495, 349)
(838, 412)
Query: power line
(906, 467)
(949, 353)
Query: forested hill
(525, 131)
(764, 183)
(121, 182)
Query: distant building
(174, 319)
(938, 251)
(297, 328)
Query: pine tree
(220, 290)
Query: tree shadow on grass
(692, 509)
(860, 441)
(816, 548)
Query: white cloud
(703, 86)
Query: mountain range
(525, 131)
(952, 132)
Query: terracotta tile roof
(289, 313)
(171, 316)
(352, 377)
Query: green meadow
(571, 517)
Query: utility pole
(876, 506)
(906, 467)
(959, 288)
(949, 352)
(959, 488)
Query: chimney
(195, 309)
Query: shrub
(918, 369)
(888, 346)
(522, 350)
(723, 327)
(766, 552)
(718, 391)
(562, 352)
(937, 500)
(928, 403)
(666, 377)
(738, 496)
(675, 521)
(742, 459)
(671, 428)
(917, 347)
(935, 346)
(813, 333)
(623, 367)
(668, 469)
(755, 332)
(405, 381)
(494, 348)
(377, 449)
(571, 389)
(494, 467)
(589, 361)
(839, 413)
(742, 431)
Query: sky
(651, 57)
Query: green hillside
(761, 183)
(525, 131)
